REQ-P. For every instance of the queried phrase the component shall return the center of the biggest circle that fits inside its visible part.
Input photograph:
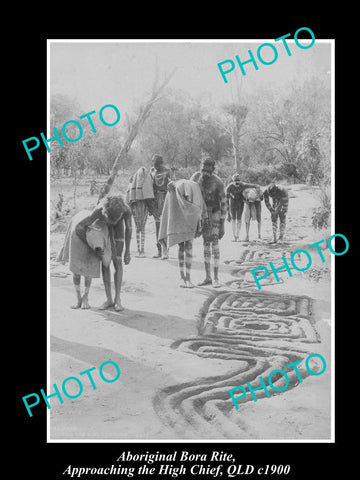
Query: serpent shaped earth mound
(262, 331)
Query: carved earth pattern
(263, 332)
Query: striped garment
(160, 183)
(211, 232)
(279, 207)
(140, 214)
(279, 196)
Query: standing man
(278, 209)
(161, 177)
(213, 192)
(113, 210)
(139, 196)
(183, 219)
(235, 202)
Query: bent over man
(278, 209)
(117, 215)
(235, 202)
(253, 198)
(85, 258)
(213, 192)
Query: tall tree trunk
(75, 187)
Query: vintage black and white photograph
(191, 240)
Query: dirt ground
(178, 358)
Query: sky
(96, 73)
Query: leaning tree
(133, 130)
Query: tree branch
(134, 130)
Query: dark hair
(157, 159)
(208, 162)
(273, 188)
(113, 206)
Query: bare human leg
(258, 217)
(188, 263)
(118, 274)
(207, 258)
(181, 261)
(234, 229)
(157, 227)
(107, 284)
(216, 257)
(247, 226)
(85, 299)
(274, 227)
(138, 241)
(142, 242)
(282, 216)
(165, 254)
(76, 281)
(238, 226)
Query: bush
(321, 215)
(184, 172)
(262, 174)
(321, 218)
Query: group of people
(182, 210)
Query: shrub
(321, 215)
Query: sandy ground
(141, 341)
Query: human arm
(171, 175)
(128, 234)
(81, 227)
(195, 177)
(204, 219)
(267, 201)
(249, 185)
(228, 218)
(171, 186)
(227, 194)
(283, 201)
(223, 209)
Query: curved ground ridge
(204, 407)
(261, 332)
(256, 256)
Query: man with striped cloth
(278, 209)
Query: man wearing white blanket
(183, 218)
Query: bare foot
(157, 255)
(189, 284)
(216, 283)
(85, 304)
(183, 283)
(77, 305)
(118, 307)
(207, 281)
(106, 304)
